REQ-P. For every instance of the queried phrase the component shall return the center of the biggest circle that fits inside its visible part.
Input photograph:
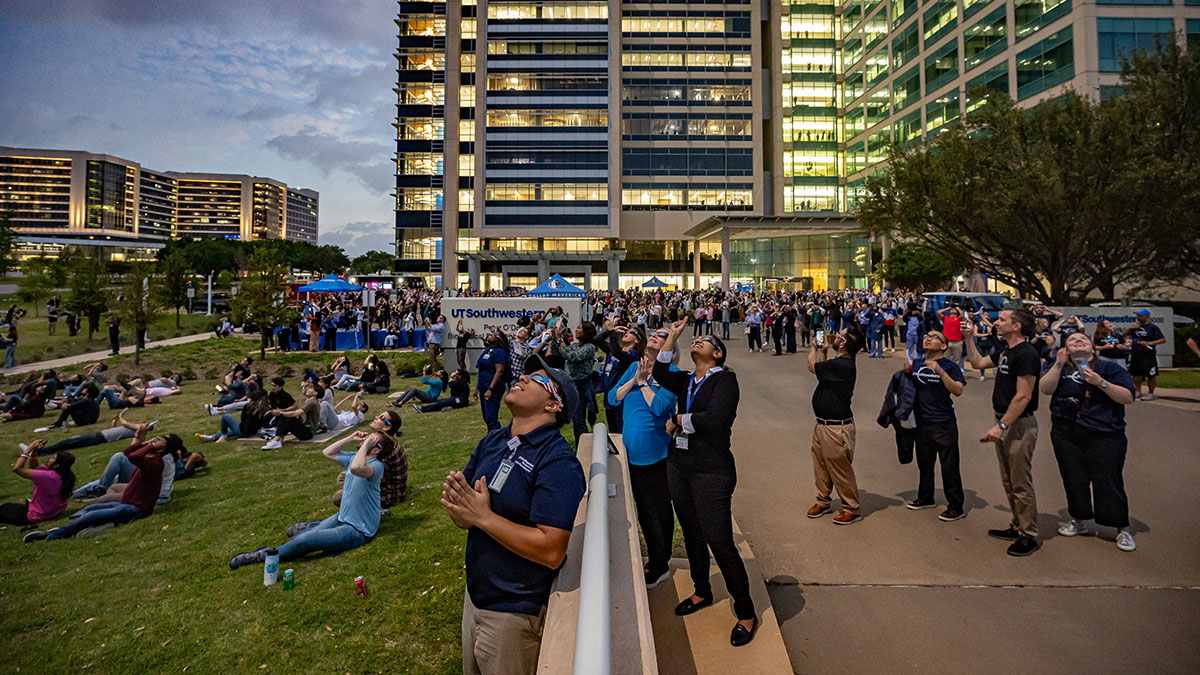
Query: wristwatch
(1002, 425)
(1104, 384)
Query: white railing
(593, 641)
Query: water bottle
(271, 567)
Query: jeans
(703, 502)
(914, 351)
(579, 416)
(13, 403)
(491, 409)
(81, 441)
(230, 427)
(724, 330)
(115, 401)
(889, 337)
(10, 355)
(419, 394)
(98, 514)
(118, 470)
(938, 441)
(347, 383)
(71, 390)
(652, 498)
(875, 345)
(327, 535)
(614, 416)
(1091, 463)
(444, 404)
(114, 340)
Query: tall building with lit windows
(61, 198)
(703, 142)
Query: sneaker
(38, 535)
(1149, 397)
(203, 437)
(417, 408)
(296, 528)
(248, 558)
(1008, 534)
(952, 514)
(273, 444)
(818, 510)
(93, 531)
(211, 409)
(1075, 528)
(846, 517)
(918, 504)
(982, 377)
(1125, 541)
(86, 492)
(653, 579)
(1023, 546)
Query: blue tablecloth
(349, 339)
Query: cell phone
(1082, 364)
(820, 337)
(152, 423)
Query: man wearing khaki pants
(1014, 400)
(833, 435)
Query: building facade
(605, 139)
(60, 198)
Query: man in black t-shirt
(1014, 400)
(1143, 363)
(833, 435)
(935, 379)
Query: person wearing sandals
(1087, 410)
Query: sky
(292, 90)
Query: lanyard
(694, 386)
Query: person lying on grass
(335, 416)
(229, 403)
(300, 420)
(82, 409)
(254, 416)
(28, 407)
(357, 518)
(119, 471)
(52, 484)
(138, 499)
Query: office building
(60, 198)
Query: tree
(89, 296)
(371, 262)
(137, 305)
(1052, 199)
(37, 281)
(261, 299)
(917, 267)
(8, 235)
(171, 290)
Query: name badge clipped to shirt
(506, 466)
(681, 441)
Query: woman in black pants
(701, 473)
(1087, 411)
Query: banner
(482, 314)
(1122, 318)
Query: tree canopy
(218, 255)
(917, 267)
(261, 299)
(371, 262)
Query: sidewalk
(99, 356)
(1184, 399)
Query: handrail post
(593, 637)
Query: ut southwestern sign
(483, 314)
(1123, 318)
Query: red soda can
(360, 586)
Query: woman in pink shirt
(52, 485)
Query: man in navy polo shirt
(1143, 365)
(517, 498)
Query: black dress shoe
(741, 637)
(1009, 534)
(1023, 546)
(688, 607)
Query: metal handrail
(593, 637)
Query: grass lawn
(36, 344)
(157, 595)
(1180, 378)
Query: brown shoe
(847, 517)
(817, 511)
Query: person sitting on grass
(82, 411)
(28, 407)
(52, 485)
(357, 519)
(254, 416)
(188, 463)
(228, 404)
(434, 383)
(300, 421)
(460, 394)
(334, 418)
(394, 487)
(348, 382)
(138, 499)
(119, 472)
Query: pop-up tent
(330, 284)
(655, 282)
(557, 287)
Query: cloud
(368, 161)
(361, 236)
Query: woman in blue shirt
(646, 406)
(434, 384)
(492, 364)
(1087, 412)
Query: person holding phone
(1087, 412)
(833, 434)
(935, 380)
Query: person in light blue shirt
(434, 381)
(357, 519)
(645, 409)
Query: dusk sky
(297, 91)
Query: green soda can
(289, 580)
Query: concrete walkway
(100, 356)
(902, 592)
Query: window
(1033, 15)
(856, 158)
(940, 20)
(1134, 2)
(877, 107)
(853, 85)
(970, 7)
(806, 25)
(877, 68)
(851, 17)
(1193, 33)
(877, 146)
(546, 118)
(906, 89)
(876, 29)
(1049, 62)
(908, 129)
(902, 9)
(941, 67)
(559, 192)
(905, 46)
(582, 10)
(711, 197)
(1118, 38)
(941, 113)
(855, 121)
(810, 163)
(985, 39)
(994, 80)
(853, 51)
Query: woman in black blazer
(701, 473)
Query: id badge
(681, 441)
(497, 484)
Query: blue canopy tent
(557, 287)
(655, 282)
(330, 284)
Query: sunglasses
(662, 334)
(708, 339)
(548, 384)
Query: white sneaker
(1075, 528)
(982, 377)
(1125, 541)
(1149, 397)
(93, 531)
(273, 444)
